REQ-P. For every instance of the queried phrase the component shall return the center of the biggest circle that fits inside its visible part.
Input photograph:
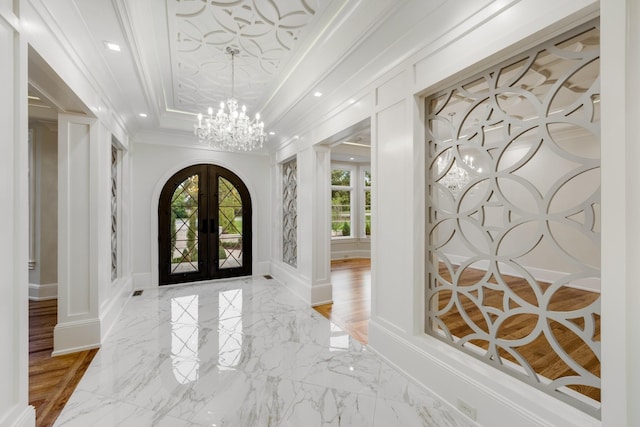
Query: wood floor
(351, 280)
(52, 380)
(351, 308)
(539, 353)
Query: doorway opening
(204, 226)
(351, 234)
(52, 379)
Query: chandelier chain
(233, 53)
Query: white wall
(43, 278)
(154, 164)
(453, 42)
(620, 76)
(14, 408)
(396, 328)
(86, 310)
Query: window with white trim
(350, 201)
(366, 202)
(342, 201)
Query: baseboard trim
(111, 312)
(338, 255)
(76, 336)
(321, 294)
(20, 418)
(500, 400)
(300, 285)
(296, 283)
(38, 292)
(262, 268)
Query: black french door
(204, 226)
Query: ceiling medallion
(232, 131)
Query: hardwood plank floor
(52, 380)
(539, 353)
(351, 308)
(351, 280)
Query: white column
(14, 251)
(620, 74)
(393, 159)
(321, 291)
(314, 165)
(79, 146)
(101, 214)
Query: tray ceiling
(265, 31)
(172, 63)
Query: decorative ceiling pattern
(265, 31)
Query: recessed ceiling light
(112, 46)
(272, 133)
(142, 115)
(317, 94)
(352, 158)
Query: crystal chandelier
(233, 130)
(456, 177)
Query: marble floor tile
(241, 352)
(86, 409)
(323, 406)
(355, 371)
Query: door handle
(208, 225)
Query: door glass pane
(184, 227)
(229, 225)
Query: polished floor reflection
(242, 352)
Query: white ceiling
(172, 63)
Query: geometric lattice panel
(290, 212)
(513, 223)
(114, 213)
(265, 31)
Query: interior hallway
(243, 352)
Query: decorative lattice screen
(290, 213)
(114, 213)
(513, 226)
